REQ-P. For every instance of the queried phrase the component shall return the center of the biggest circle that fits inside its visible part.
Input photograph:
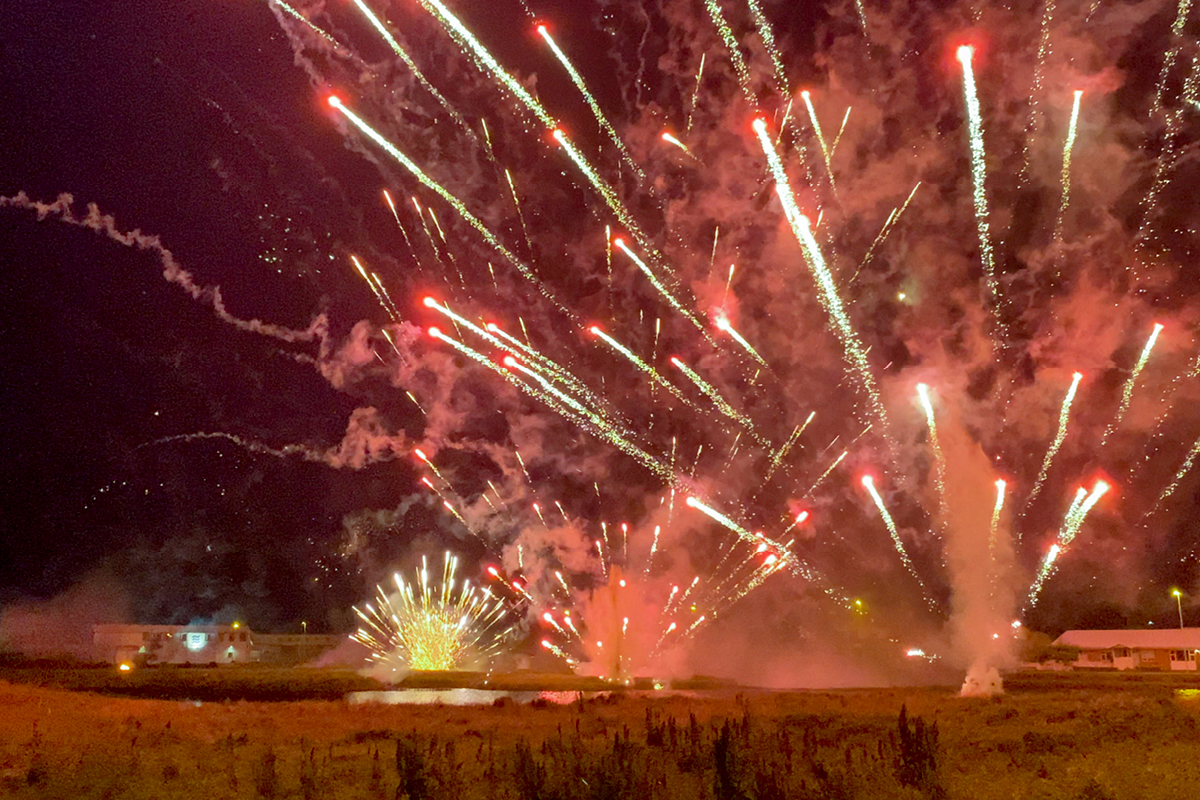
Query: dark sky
(197, 123)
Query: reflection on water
(462, 697)
(485, 697)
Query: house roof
(1151, 638)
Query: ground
(1051, 736)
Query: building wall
(172, 644)
(204, 645)
(1158, 659)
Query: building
(204, 645)
(1161, 649)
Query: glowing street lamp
(1179, 604)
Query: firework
(1035, 90)
(826, 473)
(782, 452)
(307, 23)
(1076, 514)
(724, 325)
(1066, 167)
(433, 625)
(1059, 437)
(892, 219)
(995, 526)
(856, 355)
(453, 201)
(1183, 470)
(812, 116)
(720, 402)
(1127, 390)
(657, 284)
(733, 48)
(577, 79)
(978, 176)
(674, 142)
(939, 456)
(869, 484)
(633, 358)
(412, 67)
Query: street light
(1179, 604)
(304, 625)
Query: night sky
(204, 124)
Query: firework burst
(442, 623)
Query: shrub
(916, 762)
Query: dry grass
(1055, 737)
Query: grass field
(1053, 736)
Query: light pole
(304, 625)
(1179, 604)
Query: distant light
(237, 624)
(965, 53)
(915, 653)
(900, 296)
(125, 667)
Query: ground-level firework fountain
(439, 624)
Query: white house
(205, 645)
(173, 644)
(1162, 649)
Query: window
(243, 636)
(1121, 652)
(1183, 655)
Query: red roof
(1148, 639)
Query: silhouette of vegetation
(1095, 743)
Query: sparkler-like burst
(631, 621)
(439, 623)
